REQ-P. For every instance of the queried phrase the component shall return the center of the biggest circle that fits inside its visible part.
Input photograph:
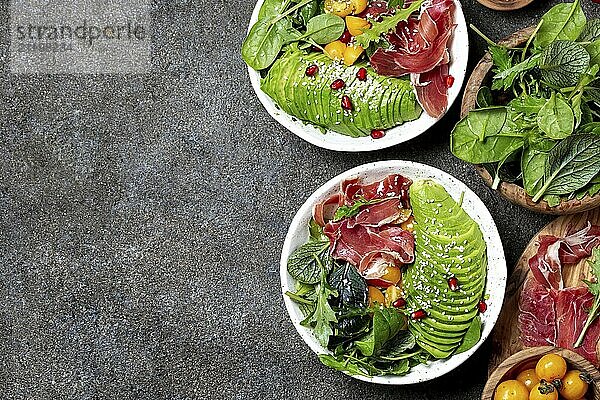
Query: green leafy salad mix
(388, 281)
(538, 122)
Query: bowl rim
(497, 276)
(525, 355)
(510, 191)
(459, 52)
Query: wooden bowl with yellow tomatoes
(543, 373)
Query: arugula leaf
(395, 3)
(594, 288)
(564, 21)
(472, 336)
(324, 315)
(303, 264)
(563, 62)
(305, 296)
(571, 165)
(556, 118)
(505, 79)
(502, 60)
(342, 364)
(353, 209)
(386, 25)
(387, 322)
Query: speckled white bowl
(459, 54)
(496, 281)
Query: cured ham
(353, 244)
(419, 47)
(371, 238)
(549, 312)
(546, 265)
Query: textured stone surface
(141, 220)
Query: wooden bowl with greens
(531, 114)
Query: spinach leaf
(472, 336)
(486, 122)
(564, 21)
(571, 165)
(352, 293)
(264, 42)
(271, 8)
(309, 11)
(505, 79)
(593, 50)
(556, 118)
(469, 146)
(387, 322)
(484, 97)
(324, 28)
(303, 264)
(387, 24)
(592, 127)
(323, 315)
(591, 31)
(563, 62)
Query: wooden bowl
(505, 5)
(515, 193)
(527, 358)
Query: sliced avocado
(448, 243)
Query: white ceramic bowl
(459, 54)
(496, 279)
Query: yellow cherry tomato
(359, 6)
(375, 296)
(335, 50)
(356, 25)
(543, 391)
(573, 387)
(551, 367)
(392, 274)
(528, 378)
(409, 224)
(351, 54)
(392, 294)
(511, 390)
(341, 8)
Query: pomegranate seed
(338, 84)
(399, 303)
(377, 134)
(453, 284)
(482, 306)
(312, 70)
(596, 1)
(346, 37)
(419, 314)
(362, 73)
(346, 103)
(449, 81)
(315, 49)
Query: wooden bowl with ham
(525, 359)
(511, 191)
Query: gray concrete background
(141, 220)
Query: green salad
(393, 276)
(537, 124)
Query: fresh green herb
(594, 288)
(386, 25)
(484, 97)
(353, 209)
(323, 315)
(352, 295)
(571, 165)
(563, 62)
(395, 3)
(304, 263)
